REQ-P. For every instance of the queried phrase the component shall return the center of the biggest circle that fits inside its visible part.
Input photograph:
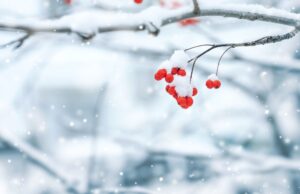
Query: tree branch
(63, 25)
(261, 41)
(196, 7)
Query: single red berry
(181, 72)
(181, 101)
(217, 84)
(162, 72)
(172, 90)
(189, 101)
(169, 78)
(138, 1)
(209, 84)
(174, 70)
(157, 77)
(195, 91)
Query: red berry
(195, 91)
(169, 78)
(189, 101)
(157, 77)
(209, 84)
(174, 71)
(181, 72)
(160, 74)
(138, 1)
(217, 84)
(181, 101)
(172, 91)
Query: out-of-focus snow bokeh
(89, 115)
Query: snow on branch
(87, 24)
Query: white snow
(179, 59)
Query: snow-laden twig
(87, 24)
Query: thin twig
(196, 9)
(217, 71)
(196, 58)
(261, 41)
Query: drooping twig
(217, 71)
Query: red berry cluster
(213, 82)
(183, 101)
(178, 84)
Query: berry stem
(197, 46)
(197, 57)
(217, 71)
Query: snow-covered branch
(87, 24)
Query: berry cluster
(213, 82)
(174, 73)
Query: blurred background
(86, 116)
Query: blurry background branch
(40, 159)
